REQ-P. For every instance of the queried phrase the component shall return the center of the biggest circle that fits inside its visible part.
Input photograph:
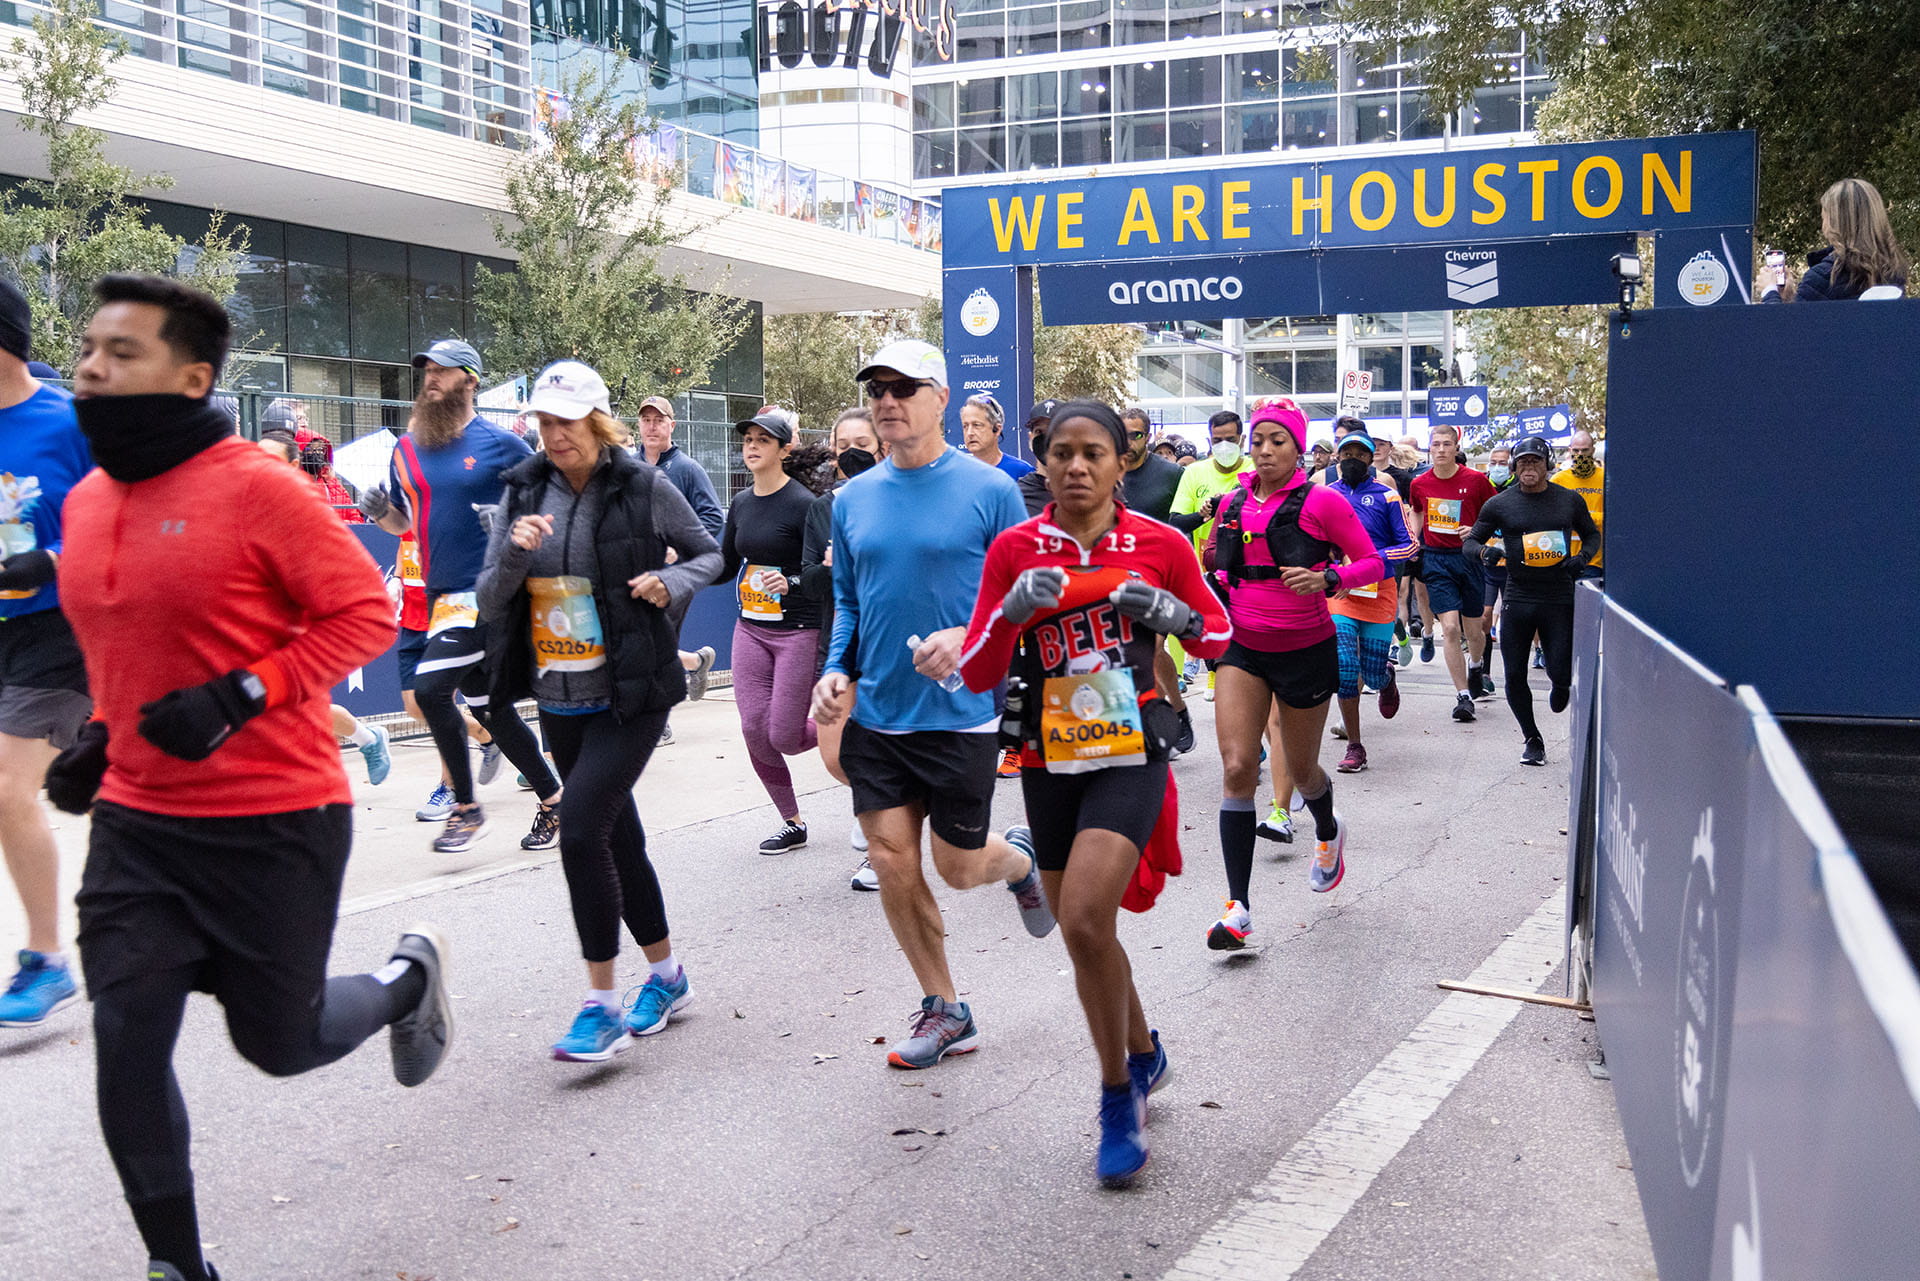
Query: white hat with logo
(910, 357)
(568, 389)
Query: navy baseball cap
(1042, 412)
(452, 353)
(771, 419)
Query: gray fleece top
(569, 550)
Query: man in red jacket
(216, 600)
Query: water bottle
(952, 684)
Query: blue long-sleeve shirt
(1384, 517)
(42, 456)
(909, 547)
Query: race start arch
(1427, 231)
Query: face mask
(1582, 467)
(1226, 453)
(854, 461)
(1354, 471)
(1499, 473)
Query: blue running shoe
(658, 1000)
(37, 990)
(1149, 1071)
(1123, 1135)
(378, 758)
(1426, 649)
(596, 1036)
(439, 805)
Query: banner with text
(1457, 406)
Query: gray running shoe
(939, 1029)
(420, 1038)
(701, 673)
(464, 827)
(490, 758)
(864, 877)
(1034, 912)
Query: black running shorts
(948, 773)
(247, 903)
(1125, 799)
(1302, 678)
(43, 680)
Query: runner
(691, 479)
(981, 421)
(1202, 486)
(371, 740)
(575, 591)
(1085, 590)
(1363, 616)
(1034, 494)
(1446, 500)
(1418, 613)
(450, 462)
(1588, 479)
(43, 683)
(1541, 520)
(252, 600)
(1148, 484)
(1274, 548)
(1493, 568)
(776, 637)
(856, 450)
(910, 538)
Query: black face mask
(1354, 471)
(136, 438)
(854, 461)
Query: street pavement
(1330, 1115)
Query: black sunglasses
(899, 389)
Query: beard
(439, 420)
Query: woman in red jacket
(1091, 587)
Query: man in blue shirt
(691, 479)
(982, 421)
(43, 682)
(910, 540)
(449, 462)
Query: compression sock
(1236, 844)
(171, 1229)
(1321, 806)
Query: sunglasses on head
(899, 389)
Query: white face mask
(1226, 453)
(1498, 473)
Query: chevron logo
(1472, 283)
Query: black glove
(29, 571)
(1576, 564)
(190, 723)
(75, 774)
(374, 503)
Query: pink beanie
(1282, 410)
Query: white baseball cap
(908, 356)
(569, 389)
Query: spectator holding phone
(1861, 252)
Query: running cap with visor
(1359, 438)
(910, 358)
(452, 353)
(771, 419)
(570, 390)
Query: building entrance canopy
(1456, 229)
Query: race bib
(455, 609)
(1443, 515)
(408, 567)
(1370, 592)
(1549, 547)
(1091, 722)
(14, 539)
(566, 626)
(757, 604)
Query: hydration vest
(1290, 545)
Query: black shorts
(1125, 799)
(1302, 678)
(38, 651)
(948, 773)
(247, 903)
(412, 645)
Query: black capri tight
(1520, 622)
(603, 848)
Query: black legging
(1520, 622)
(434, 690)
(603, 848)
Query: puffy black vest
(1291, 546)
(643, 655)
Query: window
(1085, 142)
(1188, 19)
(1143, 85)
(1160, 377)
(933, 155)
(1307, 123)
(435, 306)
(318, 291)
(1140, 137)
(1253, 77)
(1252, 129)
(1375, 118)
(983, 150)
(1387, 366)
(1141, 22)
(978, 36)
(1194, 133)
(1269, 374)
(1254, 16)
(1084, 92)
(1034, 97)
(379, 294)
(1193, 82)
(1035, 146)
(983, 101)
(1084, 25)
(1315, 372)
(933, 106)
(1032, 31)
(1496, 110)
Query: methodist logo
(980, 313)
(1473, 275)
(1122, 293)
(1703, 281)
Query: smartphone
(1777, 264)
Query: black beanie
(16, 321)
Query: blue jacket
(690, 478)
(1820, 285)
(1383, 515)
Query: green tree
(1095, 362)
(60, 233)
(588, 228)
(1529, 357)
(811, 357)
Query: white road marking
(1269, 1233)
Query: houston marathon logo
(1473, 275)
